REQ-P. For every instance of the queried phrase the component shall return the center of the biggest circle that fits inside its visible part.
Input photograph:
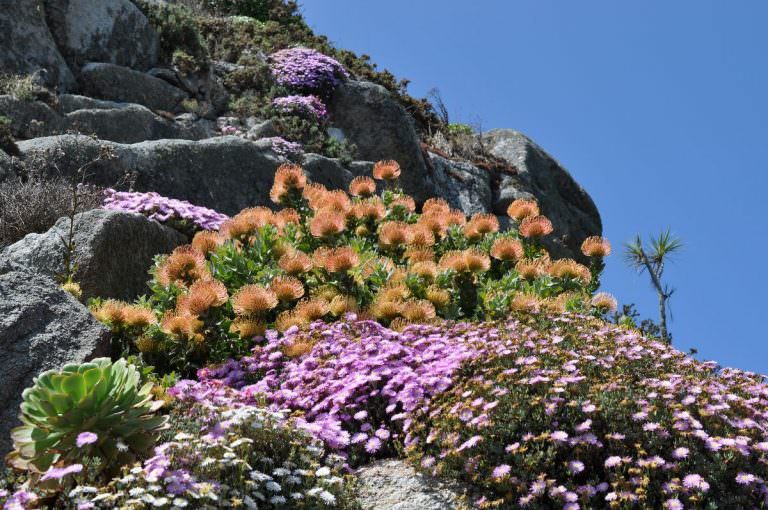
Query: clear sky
(658, 108)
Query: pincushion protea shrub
(94, 409)
(328, 252)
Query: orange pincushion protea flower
(248, 328)
(343, 304)
(340, 260)
(535, 227)
(454, 260)
(525, 303)
(362, 187)
(285, 217)
(386, 310)
(436, 206)
(206, 242)
(201, 297)
(419, 254)
(604, 302)
(138, 316)
(336, 201)
(295, 263)
(570, 269)
(394, 234)
(253, 300)
(287, 288)
(530, 269)
(436, 222)
(327, 223)
(476, 261)
(596, 246)
(404, 201)
(111, 311)
(311, 310)
(426, 269)
(372, 208)
(523, 208)
(481, 224)
(438, 297)
(387, 170)
(421, 235)
(455, 218)
(289, 319)
(394, 292)
(183, 325)
(288, 177)
(297, 349)
(184, 266)
(419, 311)
(313, 193)
(508, 250)
(247, 222)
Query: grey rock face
(381, 129)
(113, 252)
(463, 185)
(68, 103)
(117, 122)
(394, 485)
(224, 173)
(27, 44)
(112, 31)
(116, 83)
(41, 327)
(572, 211)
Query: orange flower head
(529, 269)
(288, 177)
(508, 250)
(436, 206)
(297, 349)
(311, 310)
(343, 304)
(295, 263)
(248, 328)
(111, 312)
(404, 201)
(525, 303)
(480, 225)
(419, 254)
(438, 297)
(206, 242)
(180, 325)
(138, 316)
(596, 246)
(371, 209)
(386, 310)
(476, 261)
(399, 324)
(394, 234)
(362, 187)
(313, 193)
(535, 227)
(247, 222)
(394, 292)
(285, 217)
(421, 236)
(201, 297)
(427, 270)
(341, 260)
(287, 288)
(455, 218)
(419, 311)
(289, 319)
(436, 223)
(184, 266)
(253, 300)
(336, 201)
(327, 223)
(386, 170)
(604, 302)
(570, 269)
(454, 260)
(523, 208)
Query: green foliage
(7, 141)
(100, 397)
(459, 129)
(179, 31)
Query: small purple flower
(745, 478)
(612, 461)
(559, 436)
(575, 466)
(373, 445)
(55, 473)
(85, 438)
(501, 471)
(680, 453)
(673, 504)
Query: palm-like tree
(652, 259)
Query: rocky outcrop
(394, 485)
(113, 251)
(380, 128)
(27, 46)
(113, 31)
(117, 122)
(116, 83)
(225, 173)
(538, 175)
(463, 185)
(41, 327)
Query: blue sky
(658, 108)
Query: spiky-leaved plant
(100, 397)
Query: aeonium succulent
(95, 410)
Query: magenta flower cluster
(306, 69)
(285, 148)
(164, 209)
(301, 105)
